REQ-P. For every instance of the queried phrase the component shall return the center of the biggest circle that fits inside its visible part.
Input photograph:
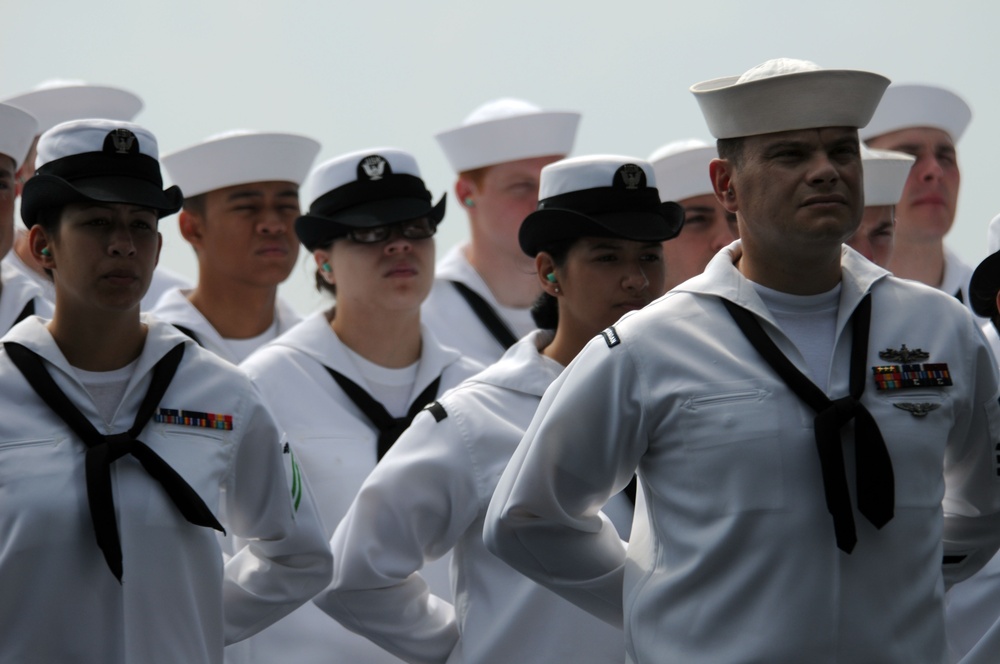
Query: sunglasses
(414, 229)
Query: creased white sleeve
(972, 484)
(581, 448)
(285, 558)
(412, 509)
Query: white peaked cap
(341, 170)
(910, 105)
(241, 157)
(588, 172)
(885, 175)
(88, 135)
(508, 130)
(58, 101)
(785, 95)
(18, 129)
(682, 169)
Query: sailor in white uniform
(682, 176)
(241, 193)
(597, 245)
(20, 297)
(926, 121)
(122, 441)
(346, 382)
(972, 607)
(814, 438)
(886, 172)
(482, 296)
(53, 102)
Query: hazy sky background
(366, 74)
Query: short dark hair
(49, 218)
(545, 310)
(195, 204)
(731, 149)
(324, 285)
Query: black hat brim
(316, 230)
(548, 226)
(51, 191)
(983, 286)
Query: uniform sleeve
(412, 509)
(286, 557)
(581, 448)
(972, 473)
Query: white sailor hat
(985, 281)
(508, 130)
(57, 101)
(241, 157)
(914, 105)
(109, 161)
(785, 95)
(885, 175)
(364, 189)
(599, 196)
(18, 129)
(681, 169)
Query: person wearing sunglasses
(347, 381)
(596, 244)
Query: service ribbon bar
(897, 377)
(193, 418)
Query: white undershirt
(107, 388)
(390, 387)
(810, 321)
(242, 348)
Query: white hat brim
(52, 106)
(913, 105)
(526, 136)
(801, 100)
(885, 176)
(241, 159)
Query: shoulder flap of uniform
(611, 337)
(437, 410)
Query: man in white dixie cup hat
(482, 297)
(796, 415)
(927, 122)
(885, 174)
(241, 199)
(20, 297)
(682, 176)
(56, 101)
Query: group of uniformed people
(696, 408)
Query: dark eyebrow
(909, 148)
(238, 195)
(698, 208)
(784, 145)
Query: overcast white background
(364, 74)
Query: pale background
(363, 74)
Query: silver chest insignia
(916, 409)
